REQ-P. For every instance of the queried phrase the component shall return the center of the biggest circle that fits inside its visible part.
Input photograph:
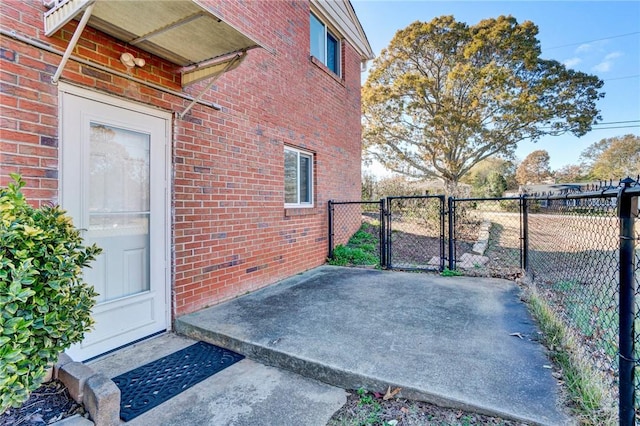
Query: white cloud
(607, 63)
(603, 66)
(594, 46)
(583, 48)
(571, 62)
(612, 55)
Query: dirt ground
(370, 409)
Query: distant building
(560, 189)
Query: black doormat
(152, 384)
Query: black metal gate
(400, 232)
(415, 238)
(357, 233)
(487, 234)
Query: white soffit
(180, 31)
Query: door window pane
(119, 208)
(119, 168)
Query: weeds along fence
(579, 250)
(356, 233)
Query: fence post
(388, 218)
(452, 264)
(383, 236)
(626, 337)
(524, 244)
(330, 216)
(441, 199)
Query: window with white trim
(298, 178)
(325, 45)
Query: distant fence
(579, 249)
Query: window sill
(300, 211)
(324, 68)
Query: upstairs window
(324, 45)
(298, 178)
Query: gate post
(383, 235)
(452, 215)
(524, 233)
(330, 239)
(388, 218)
(626, 359)
(441, 199)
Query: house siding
(230, 231)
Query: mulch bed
(46, 405)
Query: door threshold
(143, 339)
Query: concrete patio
(447, 340)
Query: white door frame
(96, 96)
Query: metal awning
(181, 31)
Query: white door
(114, 185)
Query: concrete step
(246, 393)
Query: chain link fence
(580, 250)
(573, 259)
(636, 305)
(578, 247)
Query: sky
(596, 37)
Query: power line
(597, 126)
(615, 127)
(617, 122)
(622, 78)
(591, 41)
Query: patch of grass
(586, 386)
(362, 237)
(592, 309)
(374, 409)
(360, 250)
(450, 273)
(344, 255)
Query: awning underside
(180, 31)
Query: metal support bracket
(72, 43)
(230, 65)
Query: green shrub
(44, 305)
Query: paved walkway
(442, 340)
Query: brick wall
(230, 230)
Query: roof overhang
(183, 32)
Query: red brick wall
(231, 233)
